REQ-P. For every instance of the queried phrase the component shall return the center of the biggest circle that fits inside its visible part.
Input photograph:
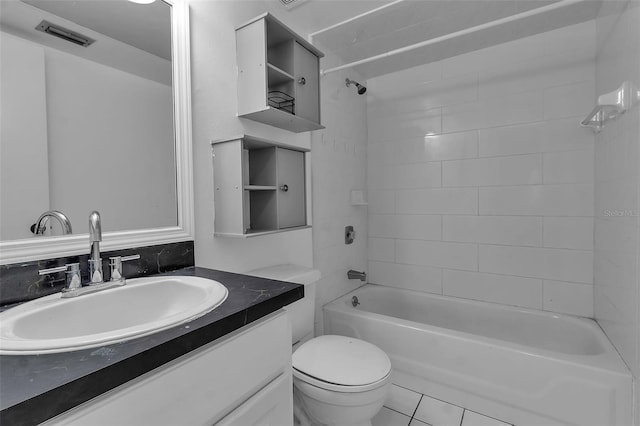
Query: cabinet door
(291, 188)
(271, 406)
(228, 185)
(307, 95)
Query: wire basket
(281, 100)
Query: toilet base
(317, 407)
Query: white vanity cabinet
(260, 186)
(241, 379)
(278, 76)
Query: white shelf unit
(260, 186)
(272, 58)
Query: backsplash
(20, 281)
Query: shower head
(360, 87)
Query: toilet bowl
(338, 380)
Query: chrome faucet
(74, 286)
(40, 227)
(95, 236)
(356, 275)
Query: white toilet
(338, 381)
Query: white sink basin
(142, 307)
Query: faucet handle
(54, 270)
(73, 280)
(115, 265)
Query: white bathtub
(523, 366)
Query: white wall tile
(438, 413)
(382, 249)
(381, 201)
(451, 146)
(552, 264)
(571, 100)
(437, 201)
(410, 277)
(386, 86)
(506, 147)
(417, 175)
(508, 290)
(568, 167)
(568, 232)
(429, 95)
(511, 109)
(438, 254)
(512, 170)
(541, 72)
(384, 126)
(545, 136)
(408, 227)
(538, 200)
(509, 230)
(568, 298)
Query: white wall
(81, 130)
(339, 166)
(103, 124)
(617, 188)
(214, 88)
(23, 138)
(480, 177)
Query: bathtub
(523, 366)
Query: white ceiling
(146, 27)
(411, 21)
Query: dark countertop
(34, 388)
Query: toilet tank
(301, 312)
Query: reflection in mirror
(86, 128)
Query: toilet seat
(341, 364)
(334, 387)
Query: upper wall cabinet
(278, 76)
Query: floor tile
(388, 417)
(438, 413)
(474, 419)
(416, 422)
(402, 400)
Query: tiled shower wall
(617, 190)
(480, 178)
(338, 166)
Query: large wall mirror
(95, 101)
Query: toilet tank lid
(291, 273)
(342, 360)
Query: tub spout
(356, 275)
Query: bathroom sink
(141, 307)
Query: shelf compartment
(277, 76)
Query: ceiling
(406, 22)
(146, 27)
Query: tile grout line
(416, 409)
(464, 410)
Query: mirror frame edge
(27, 250)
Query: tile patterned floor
(405, 407)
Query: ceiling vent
(290, 4)
(64, 34)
